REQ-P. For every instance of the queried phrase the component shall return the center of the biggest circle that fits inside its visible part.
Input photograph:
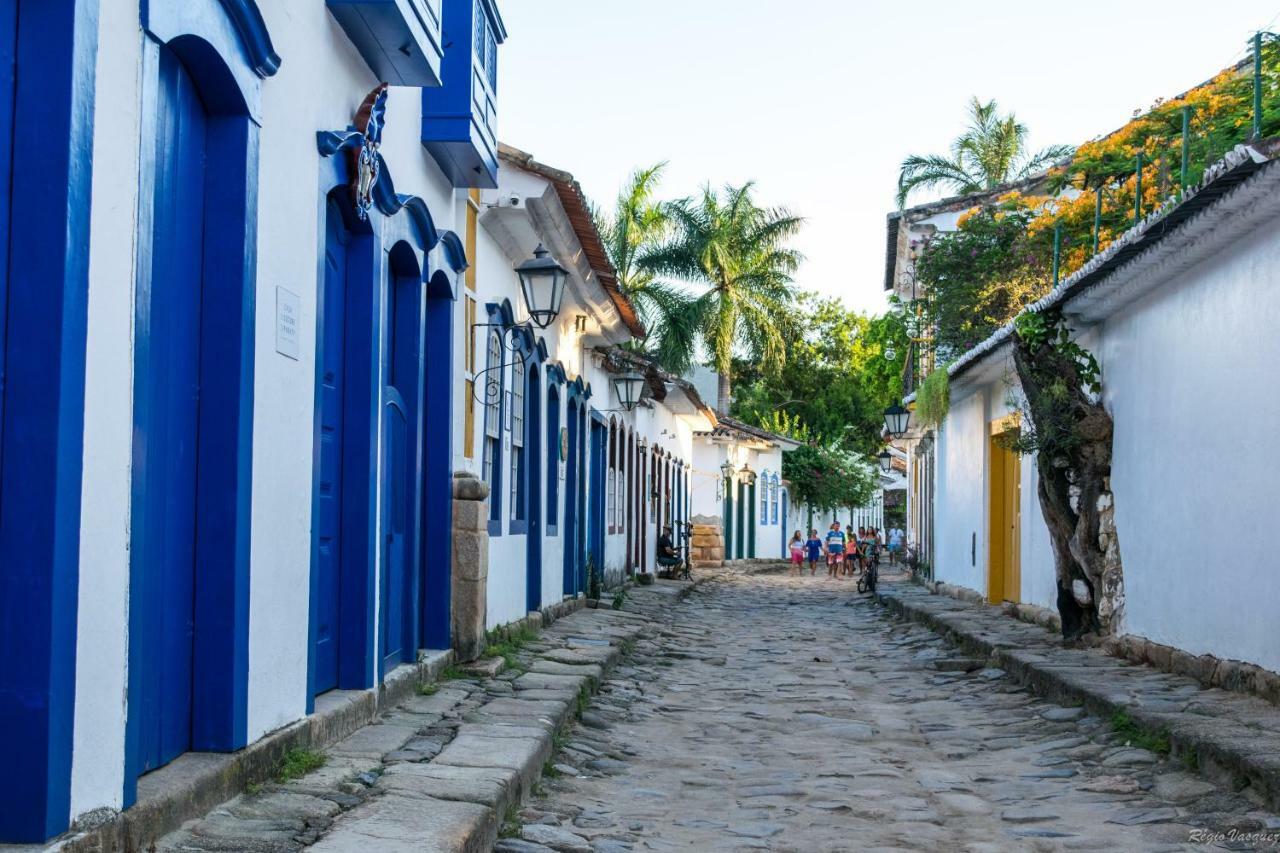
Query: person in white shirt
(895, 543)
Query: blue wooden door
(397, 494)
(784, 522)
(8, 80)
(595, 532)
(572, 502)
(327, 527)
(166, 399)
(535, 490)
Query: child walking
(797, 553)
(813, 550)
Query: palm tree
(739, 251)
(990, 152)
(635, 227)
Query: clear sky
(819, 100)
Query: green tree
(739, 251)
(990, 152)
(636, 226)
(980, 276)
(835, 381)
(829, 478)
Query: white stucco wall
(962, 496)
(97, 760)
(1190, 378)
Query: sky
(818, 101)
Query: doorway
(533, 488)
(1004, 571)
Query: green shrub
(933, 398)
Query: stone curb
(196, 783)
(1232, 753)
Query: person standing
(813, 549)
(835, 549)
(797, 552)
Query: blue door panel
(534, 491)
(8, 66)
(395, 555)
(595, 533)
(328, 502)
(166, 416)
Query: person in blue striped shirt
(835, 549)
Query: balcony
(459, 119)
(399, 39)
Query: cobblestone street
(783, 713)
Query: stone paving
(782, 713)
(440, 771)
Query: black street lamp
(895, 420)
(727, 469)
(542, 281)
(886, 461)
(628, 387)
(748, 476)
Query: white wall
(97, 760)
(962, 494)
(1190, 377)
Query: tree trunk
(723, 395)
(1073, 436)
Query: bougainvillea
(1000, 257)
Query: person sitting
(667, 557)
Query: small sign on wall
(288, 316)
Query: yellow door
(1004, 574)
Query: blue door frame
(43, 302)
(437, 463)
(783, 522)
(534, 491)
(221, 273)
(596, 524)
(572, 499)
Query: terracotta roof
(729, 426)
(576, 206)
(616, 357)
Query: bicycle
(871, 573)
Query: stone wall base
(1210, 670)
(706, 547)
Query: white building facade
(1179, 313)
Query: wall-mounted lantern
(886, 461)
(542, 281)
(896, 419)
(628, 387)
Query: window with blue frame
(492, 464)
(764, 498)
(517, 439)
(775, 498)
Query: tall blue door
(328, 501)
(8, 79)
(396, 572)
(166, 401)
(572, 502)
(534, 490)
(595, 532)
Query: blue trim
(43, 428)
(503, 315)
(217, 37)
(437, 504)
(398, 39)
(454, 252)
(531, 464)
(209, 46)
(556, 374)
(552, 513)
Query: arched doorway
(193, 410)
(572, 496)
(533, 488)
